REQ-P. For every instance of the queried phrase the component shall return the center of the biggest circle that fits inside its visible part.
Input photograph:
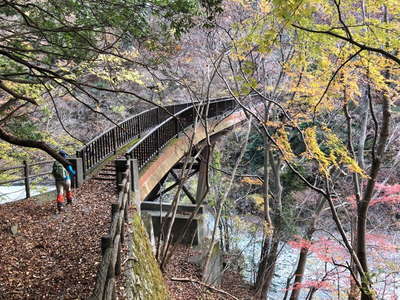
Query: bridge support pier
(156, 213)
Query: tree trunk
(354, 290)
(362, 208)
(268, 269)
(299, 273)
(301, 265)
(224, 197)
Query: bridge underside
(158, 169)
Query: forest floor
(56, 256)
(180, 268)
(53, 256)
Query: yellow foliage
(336, 153)
(258, 199)
(281, 139)
(339, 154)
(274, 124)
(314, 151)
(251, 180)
(265, 6)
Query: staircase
(108, 173)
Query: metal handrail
(108, 143)
(158, 137)
(155, 120)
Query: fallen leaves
(179, 266)
(54, 256)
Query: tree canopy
(48, 49)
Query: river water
(384, 255)
(17, 192)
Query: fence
(106, 145)
(110, 266)
(156, 139)
(27, 174)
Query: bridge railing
(107, 144)
(156, 139)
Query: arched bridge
(157, 138)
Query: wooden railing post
(106, 242)
(27, 183)
(121, 165)
(114, 209)
(77, 165)
(118, 261)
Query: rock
(14, 229)
(196, 259)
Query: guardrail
(26, 174)
(156, 139)
(106, 145)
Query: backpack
(58, 171)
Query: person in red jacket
(63, 178)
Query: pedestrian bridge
(157, 139)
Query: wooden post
(127, 204)
(122, 233)
(106, 242)
(121, 165)
(114, 209)
(114, 257)
(109, 292)
(118, 261)
(27, 183)
(77, 165)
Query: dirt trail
(54, 256)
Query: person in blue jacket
(63, 178)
